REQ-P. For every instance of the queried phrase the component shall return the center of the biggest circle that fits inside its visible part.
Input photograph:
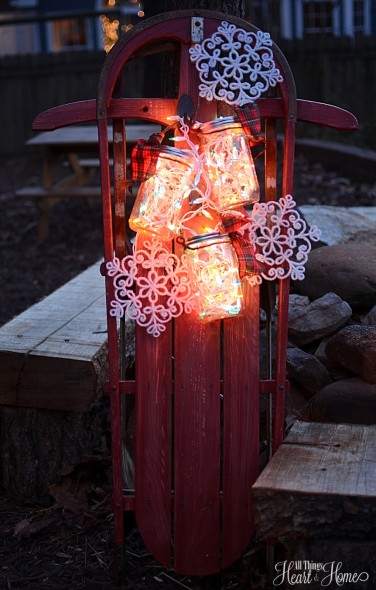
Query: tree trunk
(36, 444)
(161, 78)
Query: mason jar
(157, 207)
(229, 163)
(214, 276)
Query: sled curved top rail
(176, 26)
(134, 45)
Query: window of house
(358, 16)
(317, 17)
(303, 18)
(69, 34)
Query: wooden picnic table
(76, 147)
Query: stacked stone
(331, 359)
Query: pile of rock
(331, 359)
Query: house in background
(52, 52)
(337, 18)
(298, 19)
(51, 26)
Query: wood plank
(321, 481)
(324, 459)
(153, 440)
(153, 109)
(197, 447)
(59, 384)
(328, 115)
(42, 319)
(53, 354)
(157, 110)
(87, 135)
(39, 193)
(197, 413)
(241, 425)
(11, 364)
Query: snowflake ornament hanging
(235, 66)
(151, 286)
(281, 239)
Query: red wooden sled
(197, 387)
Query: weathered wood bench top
(87, 136)
(40, 193)
(53, 355)
(324, 459)
(321, 478)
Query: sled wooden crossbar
(129, 387)
(197, 386)
(84, 111)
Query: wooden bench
(53, 355)
(94, 163)
(47, 198)
(39, 193)
(320, 477)
(75, 147)
(317, 496)
(53, 364)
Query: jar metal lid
(172, 153)
(175, 154)
(219, 125)
(213, 238)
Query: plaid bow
(249, 117)
(248, 264)
(145, 157)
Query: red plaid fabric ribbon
(248, 264)
(249, 117)
(145, 157)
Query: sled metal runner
(197, 388)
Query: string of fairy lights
(112, 27)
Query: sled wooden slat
(241, 426)
(197, 444)
(196, 415)
(153, 441)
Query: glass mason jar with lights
(229, 163)
(157, 208)
(214, 276)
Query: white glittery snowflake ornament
(151, 286)
(235, 66)
(281, 239)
